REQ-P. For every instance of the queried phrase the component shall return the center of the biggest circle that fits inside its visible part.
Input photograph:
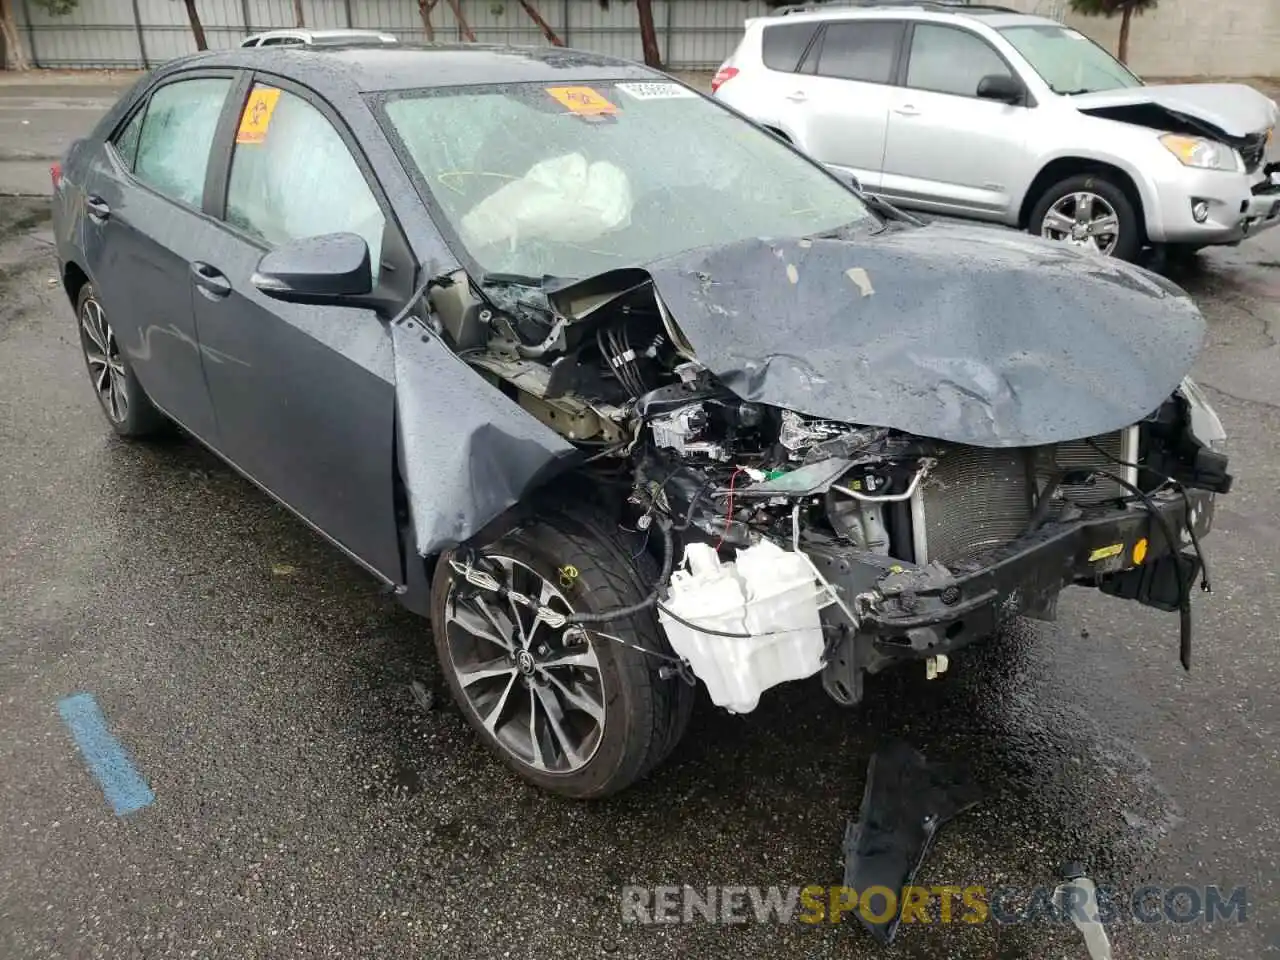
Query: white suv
(984, 112)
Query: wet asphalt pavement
(306, 805)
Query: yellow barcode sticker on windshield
(583, 101)
(256, 119)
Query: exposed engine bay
(917, 545)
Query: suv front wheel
(1091, 212)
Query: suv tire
(577, 559)
(1104, 199)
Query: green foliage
(1110, 8)
(57, 7)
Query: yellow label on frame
(1105, 553)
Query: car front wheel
(580, 712)
(1091, 212)
(121, 397)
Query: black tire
(645, 715)
(123, 401)
(1130, 238)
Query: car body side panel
(841, 123)
(139, 259)
(468, 452)
(305, 401)
(953, 154)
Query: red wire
(728, 516)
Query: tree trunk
(424, 9)
(463, 27)
(301, 21)
(648, 34)
(1123, 52)
(11, 41)
(545, 27)
(196, 29)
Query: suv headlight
(1199, 152)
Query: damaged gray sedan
(622, 392)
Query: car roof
(369, 69)
(992, 16)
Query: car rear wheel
(121, 397)
(1091, 212)
(569, 710)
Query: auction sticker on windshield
(583, 100)
(655, 91)
(256, 119)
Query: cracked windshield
(573, 180)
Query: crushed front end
(941, 492)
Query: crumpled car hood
(974, 336)
(1234, 109)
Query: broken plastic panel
(906, 800)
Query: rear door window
(864, 50)
(784, 45)
(176, 134)
(950, 60)
(293, 177)
(126, 141)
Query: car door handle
(210, 281)
(798, 96)
(906, 110)
(97, 208)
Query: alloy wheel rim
(106, 369)
(537, 690)
(1083, 219)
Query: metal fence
(692, 34)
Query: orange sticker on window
(583, 101)
(256, 119)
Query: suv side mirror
(855, 183)
(328, 270)
(1001, 87)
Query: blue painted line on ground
(105, 756)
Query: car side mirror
(855, 183)
(331, 269)
(1001, 87)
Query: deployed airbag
(565, 199)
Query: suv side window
(292, 176)
(860, 50)
(784, 45)
(951, 60)
(176, 134)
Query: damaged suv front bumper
(916, 612)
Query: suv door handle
(210, 281)
(798, 96)
(906, 110)
(97, 208)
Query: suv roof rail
(936, 5)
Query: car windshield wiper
(1072, 93)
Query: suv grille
(1254, 151)
(977, 499)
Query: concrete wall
(1197, 38)
(1181, 38)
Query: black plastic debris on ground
(906, 800)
